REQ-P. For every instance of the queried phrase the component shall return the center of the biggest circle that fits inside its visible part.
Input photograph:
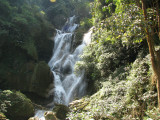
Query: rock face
(41, 79)
(20, 107)
(61, 111)
(22, 70)
(49, 115)
(33, 77)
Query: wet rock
(61, 111)
(49, 115)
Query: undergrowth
(126, 94)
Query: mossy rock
(14, 65)
(61, 111)
(49, 115)
(32, 78)
(41, 79)
(21, 79)
(20, 107)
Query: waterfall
(67, 85)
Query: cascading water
(67, 85)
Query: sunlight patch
(52, 0)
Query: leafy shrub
(153, 114)
(4, 103)
(125, 94)
(117, 59)
(2, 116)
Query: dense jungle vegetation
(122, 62)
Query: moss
(41, 79)
(20, 107)
(31, 49)
(30, 77)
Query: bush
(125, 94)
(2, 116)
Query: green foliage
(153, 114)
(102, 9)
(125, 94)
(3, 102)
(140, 93)
(21, 24)
(31, 49)
(2, 116)
(101, 60)
(81, 8)
(116, 60)
(24, 40)
(59, 11)
(85, 25)
(116, 40)
(5, 8)
(121, 27)
(24, 37)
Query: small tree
(150, 31)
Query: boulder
(49, 115)
(19, 107)
(61, 111)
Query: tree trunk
(158, 54)
(154, 54)
(158, 17)
(158, 89)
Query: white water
(67, 86)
